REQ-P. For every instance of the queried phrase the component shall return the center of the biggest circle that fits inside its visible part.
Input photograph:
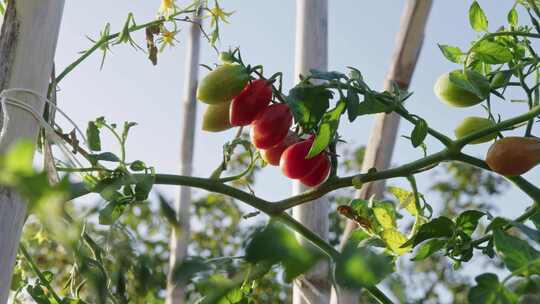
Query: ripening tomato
(271, 126)
(319, 175)
(216, 117)
(452, 94)
(472, 124)
(222, 84)
(273, 154)
(513, 156)
(254, 98)
(294, 163)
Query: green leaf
(105, 156)
(471, 81)
(429, 248)
(372, 105)
(394, 241)
(353, 104)
(490, 291)
(452, 53)
(137, 165)
(385, 213)
(168, 212)
(19, 158)
(518, 256)
(324, 75)
(477, 18)
(441, 227)
(468, 220)
(186, 271)
(144, 186)
(110, 214)
(513, 17)
(492, 52)
(405, 198)
(308, 104)
(329, 126)
(277, 244)
(92, 135)
(360, 267)
(419, 132)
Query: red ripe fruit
(293, 161)
(273, 155)
(271, 126)
(319, 175)
(255, 96)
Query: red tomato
(254, 98)
(271, 126)
(293, 161)
(272, 155)
(319, 175)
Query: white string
(49, 131)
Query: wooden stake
(27, 46)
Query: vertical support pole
(383, 135)
(27, 46)
(180, 237)
(311, 53)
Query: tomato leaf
(419, 132)
(308, 104)
(471, 81)
(518, 256)
(477, 18)
(489, 290)
(441, 227)
(92, 135)
(492, 52)
(353, 103)
(513, 17)
(360, 267)
(429, 248)
(327, 129)
(394, 241)
(372, 105)
(468, 220)
(452, 53)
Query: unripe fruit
(513, 156)
(319, 175)
(222, 84)
(216, 117)
(499, 80)
(294, 163)
(273, 154)
(254, 98)
(472, 124)
(271, 126)
(453, 95)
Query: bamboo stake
(383, 135)
(27, 46)
(180, 237)
(312, 53)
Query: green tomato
(500, 79)
(453, 95)
(216, 117)
(222, 84)
(472, 124)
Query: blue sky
(361, 34)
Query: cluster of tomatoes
(235, 100)
(509, 156)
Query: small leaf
(441, 227)
(492, 52)
(92, 135)
(452, 53)
(353, 103)
(419, 132)
(490, 291)
(518, 256)
(168, 212)
(360, 267)
(327, 129)
(394, 240)
(372, 105)
(513, 17)
(405, 198)
(477, 18)
(429, 248)
(468, 220)
(308, 104)
(385, 214)
(110, 214)
(137, 165)
(471, 81)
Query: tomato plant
(299, 129)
